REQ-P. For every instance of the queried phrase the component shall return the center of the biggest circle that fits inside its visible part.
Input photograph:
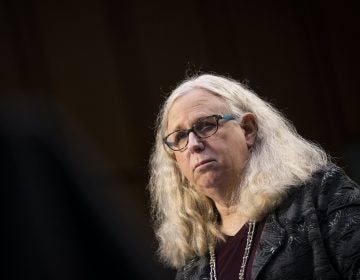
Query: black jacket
(313, 234)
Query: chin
(207, 189)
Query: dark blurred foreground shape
(61, 219)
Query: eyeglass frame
(192, 129)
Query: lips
(200, 163)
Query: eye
(180, 136)
(205, 126)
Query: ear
(248, 123)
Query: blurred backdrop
(100, 69)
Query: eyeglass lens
(203, 128)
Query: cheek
(238, 152)
(240, 159)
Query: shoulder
(327, 191)
(338, 205)
(333, 190)
(323, 217)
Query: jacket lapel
(272, 237)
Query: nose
(195, 143)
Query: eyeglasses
(202, 128)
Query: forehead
(192, 105)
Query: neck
(231, 220)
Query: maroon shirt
(229, 254)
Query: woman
(238, 194)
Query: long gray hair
(185, 221)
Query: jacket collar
(272, 237)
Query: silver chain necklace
(249, 240)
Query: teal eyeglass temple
(228, 117)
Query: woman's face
(213, 165)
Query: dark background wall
(106, 66)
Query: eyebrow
(177, 127)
